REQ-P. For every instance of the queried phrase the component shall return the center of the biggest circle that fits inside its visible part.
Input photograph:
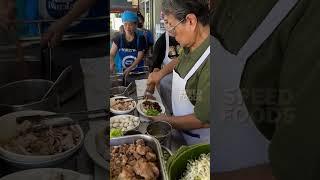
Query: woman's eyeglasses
(172, 30)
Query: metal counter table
(80, 161)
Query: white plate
(46, 174)
(139, 107)
(121, 112)
(91, 147)
(124, 116)
(35, 161)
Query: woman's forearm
(186, 122)
(138, 59)
(78, 9)
(167, 69)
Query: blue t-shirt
(141, 46)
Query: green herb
(115, 133)
(152, 112)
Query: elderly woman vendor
(188, 22)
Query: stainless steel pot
(162, 131)
(27, 94)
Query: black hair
(181, 8)
(140, 15)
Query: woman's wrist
(149, 90)
(147, 93)
(169, 119)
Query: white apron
(182, 106)
(236, 141)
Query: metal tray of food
(149, 141)
(166, 153)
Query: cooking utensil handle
(67, 123)
(40, 117)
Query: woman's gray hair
(181, 8)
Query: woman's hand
(127, 71)
(149, 92)
(112, 67)
(149, 95)
(54, 34)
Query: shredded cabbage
(198, 169)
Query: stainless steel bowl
(36, 161)
(27, 94)
(162, 131)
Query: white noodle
(198, 169)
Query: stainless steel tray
(149, 141)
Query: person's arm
(155, 77)
(55, 31)
(260, 172)
(113, 52)
(186, 122)
(80, 7)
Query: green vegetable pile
(115, 133)
(152, 112)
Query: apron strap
(268, 25)
(167, 45)
(138, 37)
(201, 60)
(121, 41)
(192, 134)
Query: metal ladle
(127, 88)
(55, 87)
